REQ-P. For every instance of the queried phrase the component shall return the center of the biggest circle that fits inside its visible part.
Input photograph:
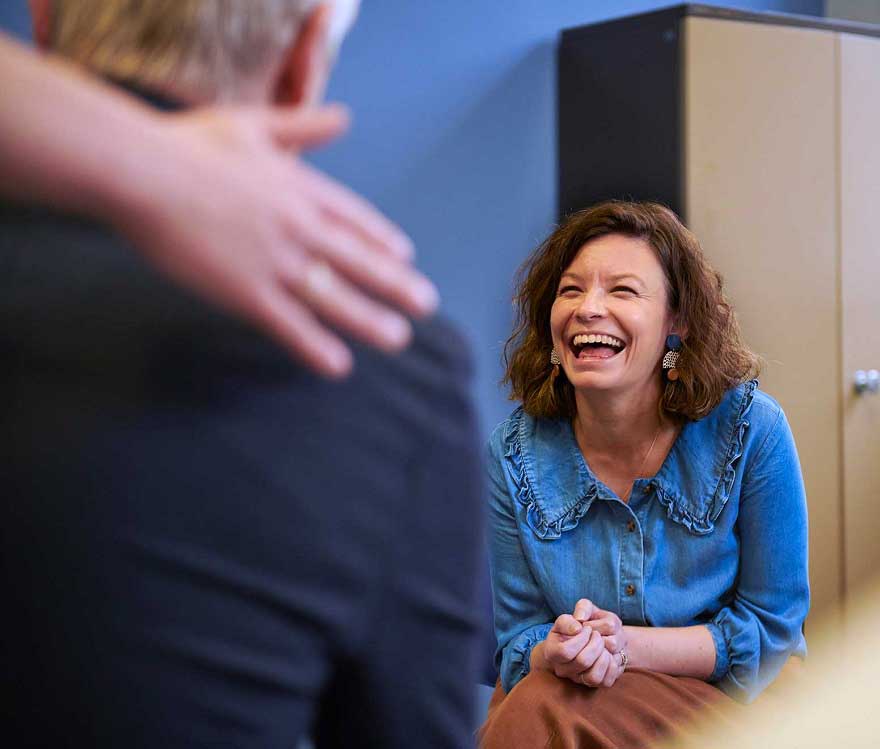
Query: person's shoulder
(24, 219)
(51, 250)
(441, 341)
(437, 363)
(744, 416)
(429, 382)
(51, 263)
(752, 415)
(73, 285)
(25, 227)
(765, 405)
(764, 413)
(506, 431)
(747, 401)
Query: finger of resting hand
(357, 214)
(590, 653)
(612, 643)
(583, 609)
(294, 128)
(567, 649)
(566, 671)
(566, 624)
(297, 330)
(345, 307)
(596, 673)
(604, 625)
(582, 660)
(571, 670)
(388, 278)
(612, 674)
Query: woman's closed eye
(624, 289)
(568, 290)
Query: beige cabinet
(777, 141)
(783, 180)
(859, 245)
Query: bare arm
(215, 199)
(61, 131)
(678, 651)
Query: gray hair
(218, 48)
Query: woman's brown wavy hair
(713, 357)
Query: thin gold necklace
(644, 460)
(625, 499)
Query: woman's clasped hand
(585, 646)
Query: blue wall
(454, 138)
(14, 17)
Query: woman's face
(614, 289)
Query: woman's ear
(304, 69)
(679, 328)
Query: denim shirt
(717, 537)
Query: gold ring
(318, 278)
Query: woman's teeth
(596, 346)
(580, 340)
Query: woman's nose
(592, 305)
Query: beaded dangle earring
(670, 359)
(554, 362)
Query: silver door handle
(867, 381)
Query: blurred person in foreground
(647, 524)
(204, 543)
(190, 188)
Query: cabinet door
(860, 283)
(761, 194)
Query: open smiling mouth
(596, 346)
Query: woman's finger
(567, 651)
(605, 626)
(562, 649)
(613, 673)
(583, 659)
(589, 654)
(612, 643)
(595, 675)
(583, 609)
(567, 625)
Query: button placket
(631, 566)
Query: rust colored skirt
(642, 709)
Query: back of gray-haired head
(221, 50)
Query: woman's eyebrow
(612, 279)
(626, 277)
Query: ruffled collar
(557, 487)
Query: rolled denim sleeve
(762, 626)
(522, 617)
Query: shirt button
(630, 590)
(631, 526)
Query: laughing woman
(648, 525)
